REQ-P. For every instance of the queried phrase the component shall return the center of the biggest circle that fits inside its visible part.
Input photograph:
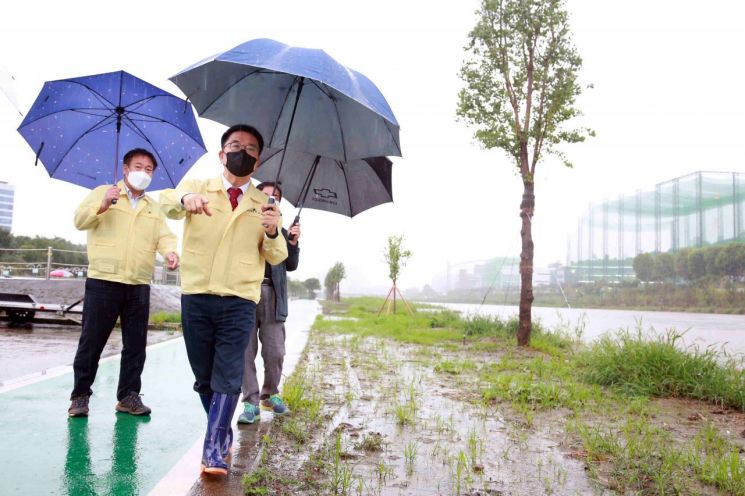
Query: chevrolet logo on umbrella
(324, 193)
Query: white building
(7, 194)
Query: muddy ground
(404, 429)
(391, 423)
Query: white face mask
(139, 180)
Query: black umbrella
(321, 183)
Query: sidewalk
(45, 452)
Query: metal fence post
(49, 261)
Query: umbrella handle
(290, 237)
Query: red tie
(234, 193)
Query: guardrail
(52, 263)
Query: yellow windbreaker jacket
(122, 241)
(223, 254)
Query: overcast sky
(668, 99)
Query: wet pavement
(45, 452)
(37, 349)
(183, 477)
(108, 452)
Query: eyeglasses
(234, 146)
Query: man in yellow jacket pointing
(230, 232)
(125, 229)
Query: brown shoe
(78, 407)
(133, 405)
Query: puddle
(404, 429)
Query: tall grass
(661, 366)
(551, 342)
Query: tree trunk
(526, 262)
(394, 297)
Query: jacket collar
(124, 193)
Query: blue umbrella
(299, 99)
(81, 127)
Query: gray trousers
(271, 333)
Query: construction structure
(7, 199)
(696, 210)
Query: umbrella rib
(27, 123)
(206, 108)
(380, 181)
(346, 182)
(62, 158)
(94, 92)
(398, 147)
(387, 122)
(158, 119)
(141, 102)
(320, 87)
(276, 121)
(341, 131)
(329, 95)
(139, 131)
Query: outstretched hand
(194, 203)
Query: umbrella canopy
(80, 128)
(300, 99)
(320, 183)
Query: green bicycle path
(44, 452)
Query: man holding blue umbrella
(125, 228)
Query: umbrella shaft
(289, 127)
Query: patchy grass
(661, 367)
(597, 399)
(640, 458)
(372, 441)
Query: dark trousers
(216, 332)
(105, 301)
(271, 333)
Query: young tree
(333, 277)
(521, 86)
(396, 257)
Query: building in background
(697, 210)
(7, 195)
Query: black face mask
(240, 164)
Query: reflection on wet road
(45, 452)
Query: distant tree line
(693, 265)
(8, 240)
(303, 289)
